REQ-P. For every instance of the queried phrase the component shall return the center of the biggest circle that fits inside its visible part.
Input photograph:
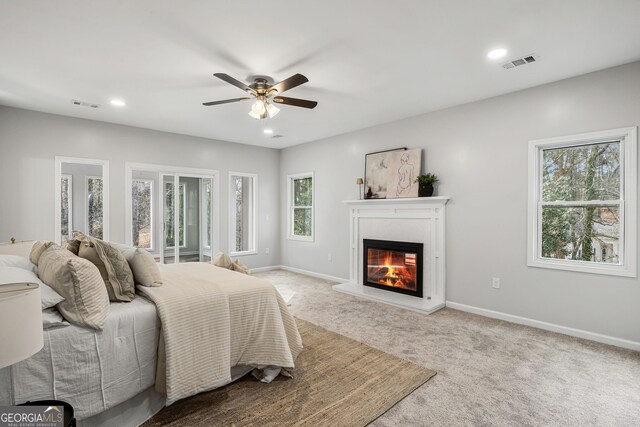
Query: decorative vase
(425, 190)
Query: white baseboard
(605, 339)
(313, 274)
(579, 333)
(300, 271)
(267, 268)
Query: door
(170, 221)
(187, 218)
(206, 219)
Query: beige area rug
(337, 382)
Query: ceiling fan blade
(290, 83)
(295, 102)
(224, 101)
(227, 78)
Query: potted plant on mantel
(425, 184)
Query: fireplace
(393, 266)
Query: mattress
(92, 370)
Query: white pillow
(19, 275)
(17, 261)
(51, 318)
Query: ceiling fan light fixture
(272, 110)
(258, 107)
(256, 116)
(263, 91)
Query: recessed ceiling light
(497, 53)
(268, 131)
(118, 103)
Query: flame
(392, 268)
(395, 276)
(387, 263)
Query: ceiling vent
(84, 104)
(277, 136)
(521, 61)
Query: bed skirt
(141, 407)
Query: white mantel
(419, 220)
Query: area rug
(337, 382)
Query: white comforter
(213, 318)
(92, 370)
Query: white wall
(29, 141)
(479, 151)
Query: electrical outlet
(266, 251)
(329, 257)
(496, 283)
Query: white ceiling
(368, 61)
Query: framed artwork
(376, 173)
(403, 167)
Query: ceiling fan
(265, 94)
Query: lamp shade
(359, 181)
(20, 322)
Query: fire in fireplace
(393, 266)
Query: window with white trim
(242, 213)
(142, 213)
(582, 202)
(94, 197)
(300, 196)
(66, 207)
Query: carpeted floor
(490, 372)
(337, 382)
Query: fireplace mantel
(436, 200)
(420, 220)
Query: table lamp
(359, 181)
(20, 322)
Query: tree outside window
(242, 227)
(582, 209)
(208, 195)
(169, 214)
(66, 207)
(301, 206)
(141, 213)
(586, 225)
(95, 207)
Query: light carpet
(490, 372)
(337, 382)
(286, 292)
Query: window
(300, 200)
(66, 207)
(142, 213)
(207, 191)
(182, 214)
(582, 202)
(242, 213)
(94, 193)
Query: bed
(119, 376)
(92, 370)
